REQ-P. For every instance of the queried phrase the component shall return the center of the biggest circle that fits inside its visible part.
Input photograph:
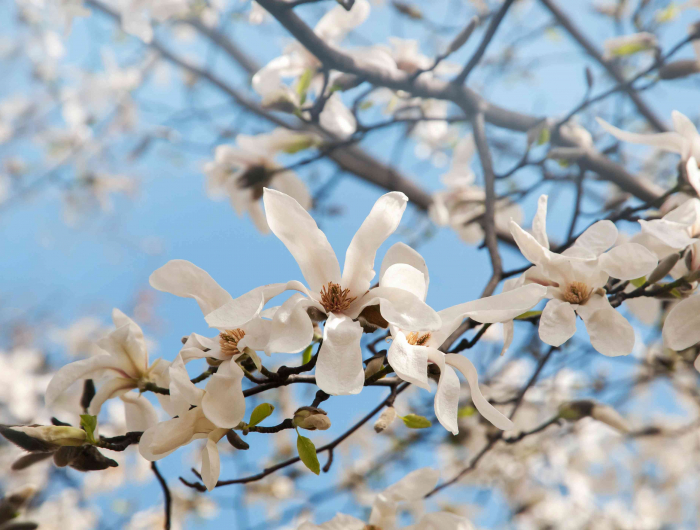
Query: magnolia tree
(552, 381)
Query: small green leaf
(465, 412)
(528, 314)
(366, 105)
(306, 356)
(676, 293)
(259, 413)
(89, 424)
(544, 136)
(307, 453)
(303, 84)
(639, 281)
(414, 421)
(630, 49)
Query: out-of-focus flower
(575, 281)
(629, 45)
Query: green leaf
(631, 49)
(89, 423)
(306, 356)
(307, 453)
(259, 413)
(465, 412)
(528, 314)
(639, 281)
(303, 84)
(414, 421)
(544, 136)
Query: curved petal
(70, 373)
(257, 215)
(110, 389)
(407, 277)
(628, 261)
(339, 522)
(211, 464)
(508, 333)
(447, 395)
(288, 182)
(557, 323)
(337, 22)
(697, 363)
(183, 393)
(399, 307)
(140, 414)
(336, 118)
(409, 362)
(185, 279)
(670, 233)
(669, 141)
(381, 222)
(443, 521)
(292, 329)
(238, 311)
(128, 351)
(682, 325)
(610, 333)
(165, 437)
(530, 248)
(598, 237)
(339, 369)
(414, 486)
(402, 253)
(223, 402)
(485, 408)
(120, 320)
(298, 231)
(539, 223)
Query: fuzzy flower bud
(311, 419)
(43, 438)
(386, 418)
(663, 268)
(575, 410)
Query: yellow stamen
(577, 293)
(416, 339)
(334, 299)
(229, 341)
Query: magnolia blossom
(339, 300)
(190, 424)
(243, 170)
(462, 203)
(410, 490)
(241, 332)
(124, 366)
(685, 139)
(575, 283)
(412, 349)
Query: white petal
(121, 320)
(302, 237)
(336, 118)
(70, 373)
(539, 223)
(402, 253)
(211, 464)
(697, 363)
(339, 369)
(409, 362)
(405, 277)
(257, 335)
(291, 330)
(257, 215)
(628, 261)
(140, 414)
(183, 393)
(508, 333)
(693, 171)
(381, 222)
(531, 249)
(557, 323)
(499, 308)
(127, 349)
(288, 182)
(241, 310)
(447, 395)
(669, 141)
(598, 238)
(413, 486)
(185, 279)
(682, 325)
(223, 402)
(337, 22)
(401, 308)
(443, 521)
(485, 408)
(108, 390)
(646, 310)
(165, 437)
(670, 233)
(610, 333)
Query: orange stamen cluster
(335, 299)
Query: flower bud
(373, 366)
(463, 36)
(236, 441)
(386, 418)
(679, 69)
(663, 268)
(14, 501)
(575, 410)
(311, 419)
(43, 438)
(281, 100)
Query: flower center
(577, 293)
(335, 299)
(416, 339)
(255, 178)
(229, 341)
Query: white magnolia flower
(243, 170)
(124, 366)
(575, 281)
(337, 299)
(629, 44)
(410, 490)
(685, 139)
(412, 349)
(462, 203)
(408, 58)
(242, 331)
(190, 424)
